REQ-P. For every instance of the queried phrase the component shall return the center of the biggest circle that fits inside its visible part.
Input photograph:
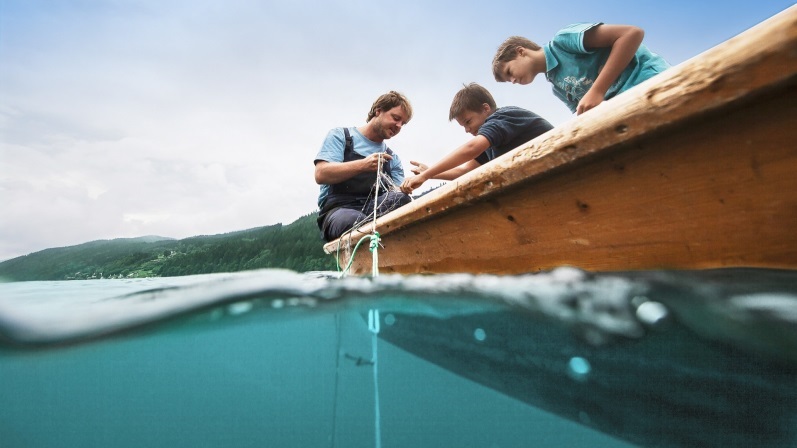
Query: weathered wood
(694, 168)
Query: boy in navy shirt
(495, 131)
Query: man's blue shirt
(332, 151)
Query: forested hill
(296, 246)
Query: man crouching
(347, 166)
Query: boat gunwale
(745, 67)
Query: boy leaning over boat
(495, 131)
(587, 63)
(347, 163)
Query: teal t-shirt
(572, 69)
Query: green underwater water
(254, 384)
(283, 369)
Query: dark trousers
(341, 219)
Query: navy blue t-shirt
(509, 127)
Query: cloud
(122, 119)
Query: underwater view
(564, 358)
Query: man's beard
(384, 132)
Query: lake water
(281, 359)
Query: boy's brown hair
(471, 97)
(507, 51)
(389, 101)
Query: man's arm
(331, 173)
(454, 159)
(624, 41)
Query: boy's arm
(454, 173)
(464, 153)
(451, 174)
(624, 41)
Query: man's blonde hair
(471, 97)
(507, 51)
(389, 101)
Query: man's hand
(412, 183)
(330, 173)
(371, 163)
(419, 167)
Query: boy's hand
(420, 167)
(590, 100)
(412, 183)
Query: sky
(122, 118)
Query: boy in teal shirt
(587, 63)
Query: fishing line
(337, 381)
(375, 239)
(386, 183)
(376, 188)
(373, 326)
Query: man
(347, 163)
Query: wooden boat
(639, 395)
(692, 169)
(668, 389)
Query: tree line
(296, 246)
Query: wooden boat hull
(692, 169)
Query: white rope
(337, 381)
(386, 183)
(376, 189)
(375, 241)
(373, 326)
